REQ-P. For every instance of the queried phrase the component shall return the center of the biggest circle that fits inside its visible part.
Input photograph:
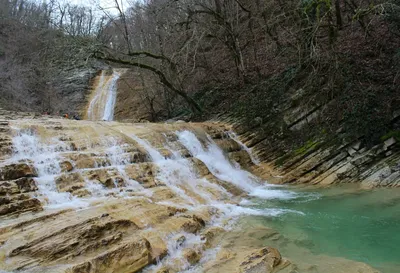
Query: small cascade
(253, 157)
(220, 166)
(47, 161)
(179, 174)
(101, 106)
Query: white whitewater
(177, 173)
(253, 157)
(46, 158)
(102, 105)
(214, 158)
(180, 176)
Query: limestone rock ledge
(122, 230)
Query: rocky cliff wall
(295, 148)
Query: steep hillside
(43, 70)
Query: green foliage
(392, 133)
(310, 145)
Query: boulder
(7, 187)
(86, 163)
(26, 184)
(210, 233)
(129, 257)
(142, 173)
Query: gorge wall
(297, 148)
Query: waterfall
(101, 107)
(158, 166)
(220, 166)
(178, 173)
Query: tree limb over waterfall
(126, 59)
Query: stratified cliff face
(70, 91)
(296, 147)
(140, 98)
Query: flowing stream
(111, 152)
(339, 222)
(115, 162)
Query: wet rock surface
(122, 205)
(104, 197)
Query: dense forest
(250, 59)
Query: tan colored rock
(228, 145)
(130, 257)
(93, 235)
(81, 192)
(143, 173)
(210, 234)
(242, 158)
(19, 206)
(21, 185)
(69, 182)
(163, 270)
(26, 184)
(191, 256)
(66, 166)
(110, 178)
(15, 171)
(158, 245)
(7, 187)
(86, 163)
(201, 168)
(262, 260)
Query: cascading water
(135, 191)
(180, 176)
(112, 164)
(253, 157)
(217, 163)
(101, 107)
(46, 159)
